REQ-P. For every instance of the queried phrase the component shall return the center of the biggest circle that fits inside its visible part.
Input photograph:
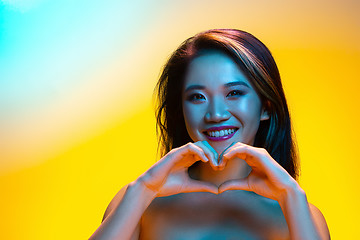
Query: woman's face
(220, 105)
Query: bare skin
(234, 191)
(150, 208)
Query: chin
(220, 146)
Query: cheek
(249, 112)
(253, 110)
(192, 119)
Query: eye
(196, 97)
(235, 93)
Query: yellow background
(77, 121)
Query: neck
(234, 169)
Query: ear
(264, 112)
(264, 115)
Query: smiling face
(219, 103)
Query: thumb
(235, 184)
(201, 186)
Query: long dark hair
(257, 63)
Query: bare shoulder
(320, 221)
(115, 201)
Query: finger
(200, 186)
(209, 150)
(197, 153)
(226, 149)
(185, 156)
(222, 160)
(257, 158)
(235, 184)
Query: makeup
(220, 133)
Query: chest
(199, 216)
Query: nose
(217, 111)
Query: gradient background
(77, 121)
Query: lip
(218, 129)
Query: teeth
(221, 133)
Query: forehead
(213, 68)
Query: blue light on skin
(216, 93)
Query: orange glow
(76, 89)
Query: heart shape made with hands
(215, 173)
(257, 172)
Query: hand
(267, 178)
(170, 176)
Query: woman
(229, 168)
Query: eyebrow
(230, 84)
(192, 87)
(237, 83)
